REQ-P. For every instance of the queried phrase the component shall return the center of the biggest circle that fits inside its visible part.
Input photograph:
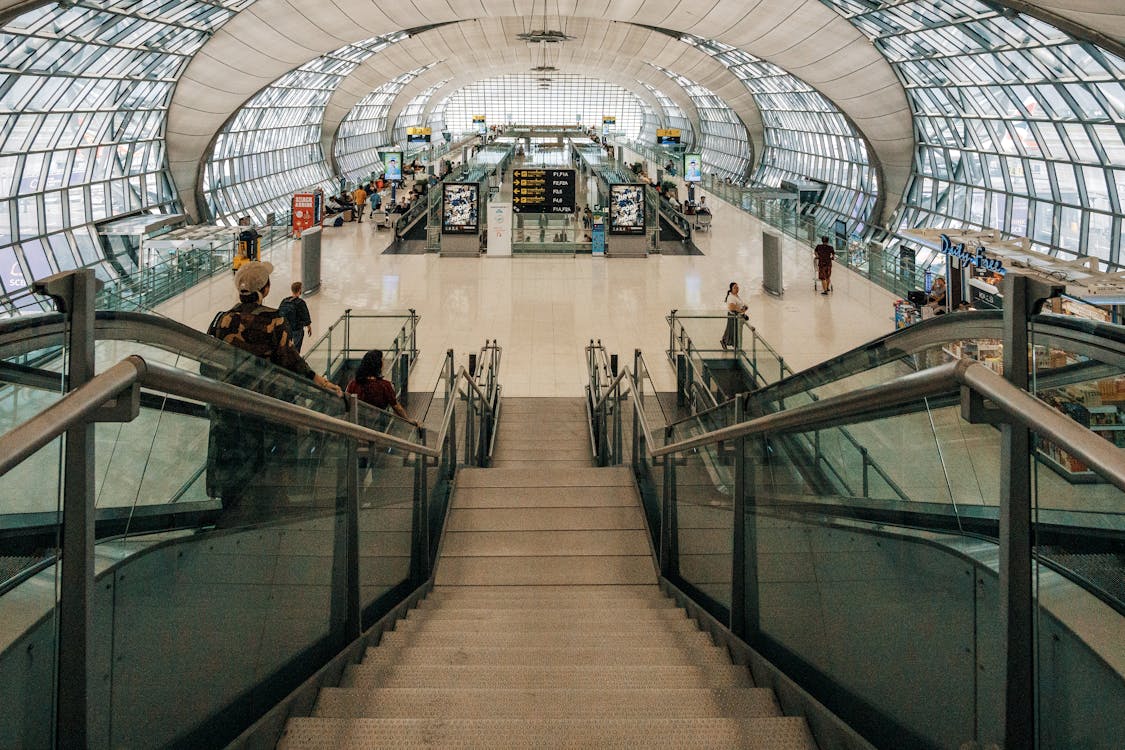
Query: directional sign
(543, 191)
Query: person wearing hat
(261, 330)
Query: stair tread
(697, 654)
(584, 677)
(544, 519)
(547, 639)
(546, 476)
(544, 497)
(535, 543)
(558, 625)
(616, 569)
(546, 614)
(764, 733)
(546, 703)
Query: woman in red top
(371, 387)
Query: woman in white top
(736, 310)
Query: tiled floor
(543, 311)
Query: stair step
(536, 463)
(546, 639)
(528, 543)
(519, 571)
(614, 476)
(622, 608)
(544, 497)
(546, 614)
(543, 519)
(765, 733)
(588, 677)
(537, 452)
(450, 625)
(554, 703)
(592, 592)
(549, 655)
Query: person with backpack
(296, 313)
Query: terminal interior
(877, 502)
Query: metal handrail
(1021, 406)
(80, 405)
(609, 388)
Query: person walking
(736, 312)
(825, 254)
(296, 313)
(376, 202)
(359, 195)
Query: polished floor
(544, 311)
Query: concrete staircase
(546, 627)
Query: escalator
(246, 524)
(856, 547)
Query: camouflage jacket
(261, 331)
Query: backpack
(288, 310)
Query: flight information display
(543, 191)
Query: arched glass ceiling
(1019, 125)
(723, 140)
(364, 130)
(673, 116)
(271, 147)
(84, 93)
(806, 136)
(411, 114)
(570, 99)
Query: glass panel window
(1012, 86)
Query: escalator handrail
(1019, 405)
(1104, 337)
(81, 404)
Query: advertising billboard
(693, 167)
(460, 202)
(479, 124)
(608, 123)
(392, 165)
(626, 209)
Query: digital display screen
(693, 167)
(626, 209)
(543, 191)
(459, 208)
(392, 165)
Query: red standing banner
(306, 211)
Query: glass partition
(1078, 629)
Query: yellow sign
(419, 131)
(667, 132)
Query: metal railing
(115, 396)
(353, 335)
(984, 398)
(765, 366)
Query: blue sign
(597, 234)
(978, 259)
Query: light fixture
(537, 29)
(544, 65)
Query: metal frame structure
(985, 397)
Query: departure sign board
(543, 191)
